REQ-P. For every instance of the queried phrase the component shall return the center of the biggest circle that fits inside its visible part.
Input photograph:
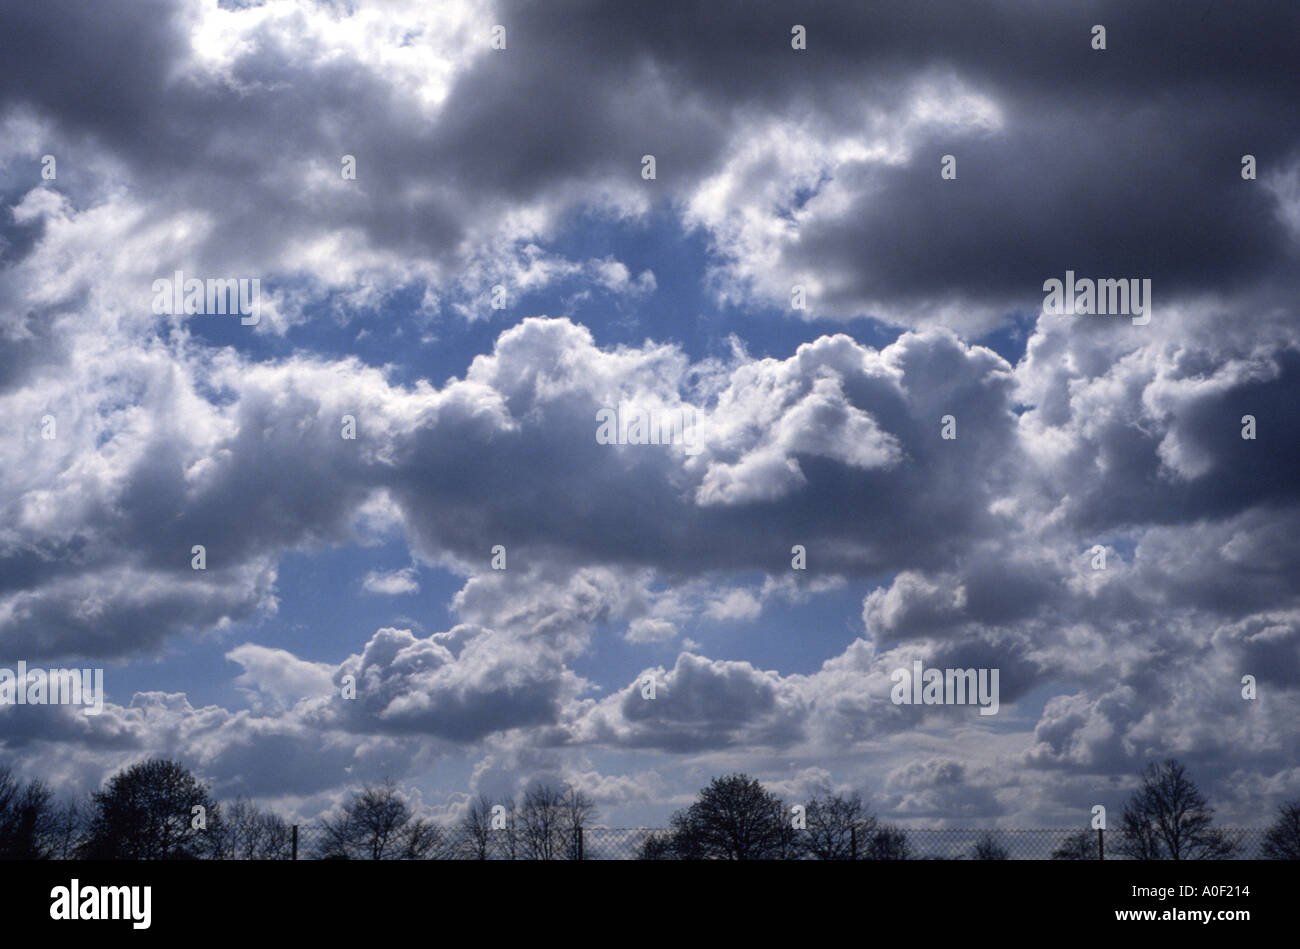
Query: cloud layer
(127, 438)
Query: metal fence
(313, 842)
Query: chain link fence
(314, 842)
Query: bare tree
(1169, 819)
(476, 828)
(549, 821)
(987, 848)
(791, 844)
(422, 839)
(1282, 841)
(28, 819)
(539, 822)
(889, 843)
(250, 833)
(577, 809)
(377, 824)
(1081, 845)
(509, 834)
(839, 827)
(70, 824)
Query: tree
(1169, 819)
(1081, 845)
(70, 821)
(250, 833)
(423, 840)
(376, 823)
(1282, 841)
(577, 810)
(683, 841)
(540, 823)
(509, 835)
(550, 819)
(987, 848)
(476, 828)
(28, 819)
(479, 839)
(147, 812)
(839, 827)
(734, 818)
(656, 846)
(889, 843)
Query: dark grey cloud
(1115, 162)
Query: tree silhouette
(376, 823)
(69, 829)
(549, 821)
(509, 834)
(1282, 840)
(657, 845)
(839, 827)
(576, 809)
(889, 843)
(249, 833)
(987, 848)
(146, 812)
(476, 829)
(1169, 819)
(734, 818)
(28, 819)
(1081, 845)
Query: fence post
(1101, 844)
(579, 841)
(295, 841)
(853, 843)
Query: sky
(839, 260)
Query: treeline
(376, 824)
(159, 810)
(155, 810)
(736, 818)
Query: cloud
(645, 629)
(392, 583)
(698, 704)
(217, 150)
(276, 678)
